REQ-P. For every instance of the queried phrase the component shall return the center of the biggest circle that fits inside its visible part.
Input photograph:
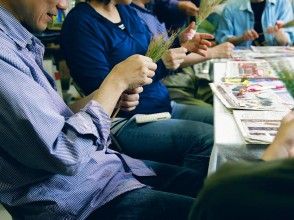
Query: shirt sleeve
(168, 12)
(40, 132)
(285, 15)
(225, 27)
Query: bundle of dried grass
(206, 8)
(159, 45)
(289, 24)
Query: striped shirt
(54, 164)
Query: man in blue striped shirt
(54, 160)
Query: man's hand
(189, 8)
(130, 99)
(134, 72)
(223, 50)
(173, 58)
(250, 35)
(278, 33)
(283, 144)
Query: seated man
(249, 22)
(54, 160)
(261, 190)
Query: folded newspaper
(258, 127)
(237, 96)
(249, 69)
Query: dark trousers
(263, 190)
(170, 198)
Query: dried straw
(159, 45)
(206, 8)
(289, 24)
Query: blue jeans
(185, 140)
(172, 195)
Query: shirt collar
(15, 30)
(246, 5)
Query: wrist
(116, 82)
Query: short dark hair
(106, 2)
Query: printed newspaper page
(258, 127)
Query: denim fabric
(238, 17)
(184, 140)
(178, 188)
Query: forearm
(81, 103)
(194, 58)
(109, 93)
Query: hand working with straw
(278, 32)
(195, 42)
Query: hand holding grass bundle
(189, 39)
(195, 42)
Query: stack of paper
(258, 127)
(249, 69)
(238, 96)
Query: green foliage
(289, 24)
(287, 76)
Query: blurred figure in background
(255, 22)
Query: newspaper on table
(238, 96)
(249, 69)
(258, 127)
(273, 49)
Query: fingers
(173, 58)
(206, 36)
(279, 24)
(129, 102)
(275, 28)
(250, 35)
(189, 8)
(135, 71)
(191, 26)
(134, 90)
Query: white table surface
(229, 144)
(4, 215)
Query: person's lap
(174, 141)
(192, 112)
(172, 195)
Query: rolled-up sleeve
(39, 130)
